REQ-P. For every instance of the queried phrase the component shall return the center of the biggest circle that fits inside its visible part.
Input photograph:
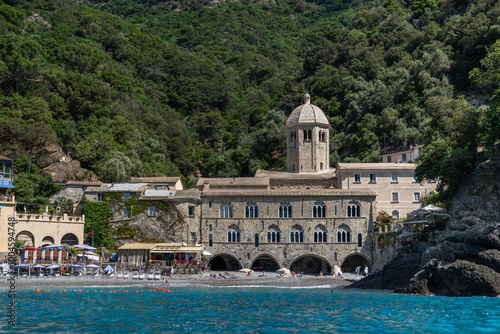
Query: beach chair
(157, 277)
(151, 277)
(119, 276)
(141, 276)
(126, 276)
(135, 276)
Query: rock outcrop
(466, 259)
(64, 171)
(395, 275)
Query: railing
(7, 198)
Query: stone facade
(254, 244)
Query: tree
(117, 167)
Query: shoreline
(224, 280)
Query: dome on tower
(307, 113)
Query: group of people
(358, 271)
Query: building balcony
(50, 218)
(7, 198)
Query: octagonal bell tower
(307, 139)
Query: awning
(178, 250)
(6, 184)
(415, 222)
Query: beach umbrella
(432, 207)
(52, 267)
(420, 212)
(284, 271)
(92, 267)
(75, 266)
(38, 266)
(109, 269)
(53, 246)
(19, 267)
(83, 246)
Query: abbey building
(308, 218)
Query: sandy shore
(222, 279)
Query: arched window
(273, 234)
(285, 210)
(307, 135)
(252, 210)
(233, 234)
(320, 234)
(297, 234)
(360, 240)
(210, 240)
(395, 214)
(344, 233)
(226, 211)
(354, 209)
(319, 210)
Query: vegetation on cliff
(187, 88)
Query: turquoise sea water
(247, 310)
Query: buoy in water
(38, 290)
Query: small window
(126, 212)
(357, 178)
(360, 240)
(126, 196)
(191, 211)
(193, 236)
(394, 177)
(415, 177)
(389, 159)
(152, 211)
(226, 211)
(256, 239)
(404, 157)
(210, 204)
(395, 214)
(373, 178)
(210, 240)
(395, 197)
(100, 197)
(416, 197)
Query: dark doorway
(265, 262)
(224, 262)
(352, 261)
(311, 265)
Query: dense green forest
(191, 88)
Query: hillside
(204, 88)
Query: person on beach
(320, 274)
(358, 269)
(366, 270)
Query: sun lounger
(141, 276)
(135, 276)
(126, 276)
(119, 276)
(157, 277)
(151, 277)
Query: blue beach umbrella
(19, 267)
(109, 269)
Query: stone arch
(224, 262)
(265, 261)
(353, 260)
(48, 240)
(311, 264)
(69, 239)
(26, 236)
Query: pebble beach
(222, 279)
